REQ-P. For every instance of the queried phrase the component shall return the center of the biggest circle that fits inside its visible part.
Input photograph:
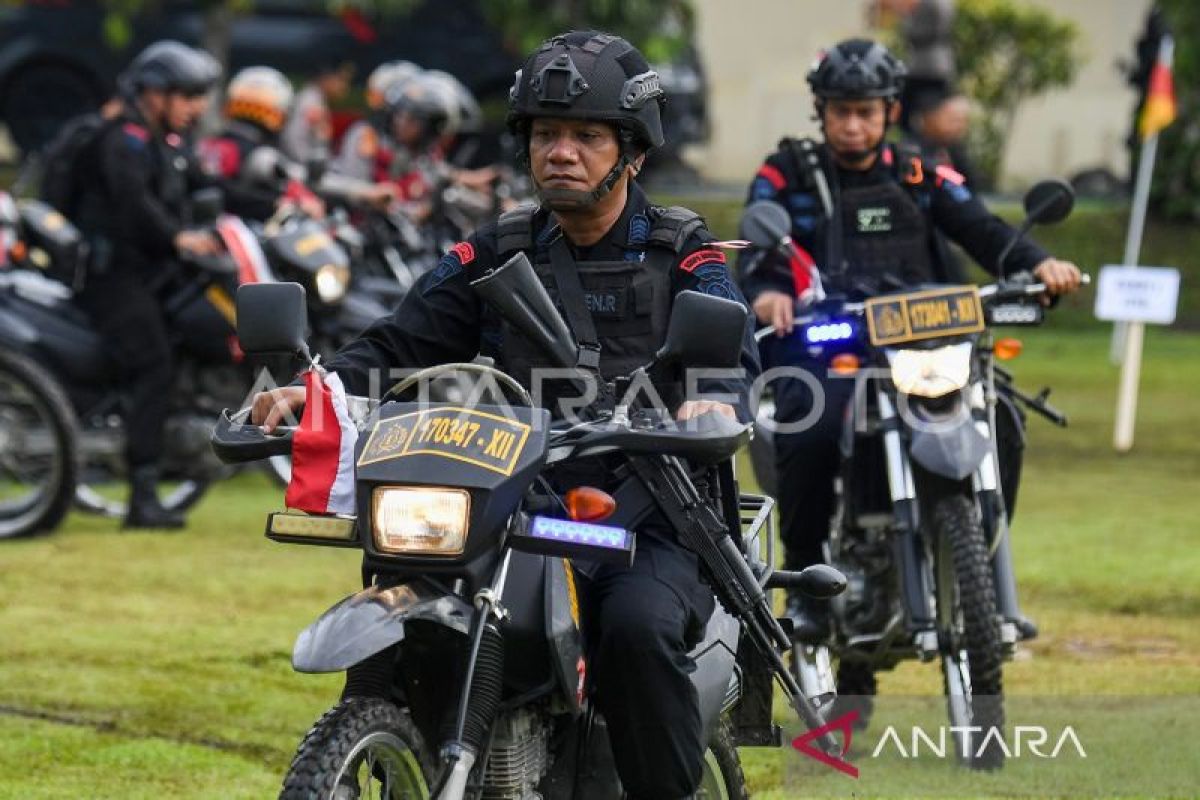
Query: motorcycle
(466, 674)
(921, 517)
(59, 398)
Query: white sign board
(1137, 294)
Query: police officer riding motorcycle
(585, 107)
(865, 219)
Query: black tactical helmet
(171, 66)
(857, 69)
(589, 75)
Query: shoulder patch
(947, 174)
(705, 255)
(465, 252)
(772, 175)
(368, 143)
(135, 132)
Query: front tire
(969, 627)
(364, 747)
(722, 777)
(38, 445)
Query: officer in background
(366, 139)
(585, 108)
(864, 213)
(136, 215)
(307, 137)
(247, 151)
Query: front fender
(365, 623)
(953, 452)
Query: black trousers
(807, 460)
(129, 319)
(639, 625)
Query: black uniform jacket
(443, 319)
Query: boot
(810, 618)
(145, 511)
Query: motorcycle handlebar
(235, 443)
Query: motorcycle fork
(987, 487)
(916, 587)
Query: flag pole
(1133, 237)
(1128, 338)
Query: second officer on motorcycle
(135, 212)
(864, 215)
(586, 107)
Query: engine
(519, 757)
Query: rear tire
(335, 759)
(35, 416)
(972, 659)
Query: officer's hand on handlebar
(197, 243)
(694, 408)
(777, 310)
(381, 195)
(271, 408)
(1060, 277)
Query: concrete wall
(757, 52)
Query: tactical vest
(629, 301)
(879, 237)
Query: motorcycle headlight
(332, 281)
(420, 521)
(931, 373)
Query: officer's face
(183, 110)
(572, 155)
(854, 128)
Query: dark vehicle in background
(55, 63)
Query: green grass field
(151, 665)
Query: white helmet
(261, 95)
(385, 77)
(467, 114)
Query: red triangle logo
(845, 724)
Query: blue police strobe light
(584, 540)
(828, 332)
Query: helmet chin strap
(580, 200)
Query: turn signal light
(1007, 349)
(844, 364)
(18, 251)
(589, 504)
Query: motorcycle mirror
(821, 581)
(1049, 201)
(517, 293)
(704, 332)
(765, 224)
(272, 318)
(206, 205)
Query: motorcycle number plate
(485, 440)
(898, 318)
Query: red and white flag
(806, 280)
(323, 449)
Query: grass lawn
(150, 665)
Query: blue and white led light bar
(583, 540)
(828, 332)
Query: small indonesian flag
(806, 280)
(1159, 109)
(323, 449)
